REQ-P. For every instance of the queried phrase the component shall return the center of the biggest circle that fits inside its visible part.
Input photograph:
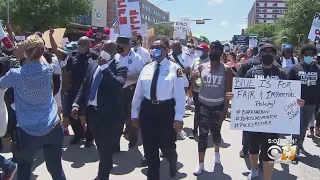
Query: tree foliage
(40, 15)
(205, 39)
(163, 30)
(298, 19)
(263, 30)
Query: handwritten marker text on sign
(261, 105)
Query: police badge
(179, 73)
(90, 60)
(130, 61)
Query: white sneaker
(217, 158)
(253, 173)
(199, 169)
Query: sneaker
(253, 173)
(198, 170)
(217, 159)
(8, 175)
(243, 153)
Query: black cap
(123, 40)
(216, 45)
(39, 34)
(309, 46)
(267, 45)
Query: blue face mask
(157, 53)
(308, 59)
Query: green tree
(298, 19)
(205, 39)
(263, 30)
(40, 15)
(161, 29)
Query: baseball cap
(267, 45)
(203, 46)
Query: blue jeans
(5, 164)
(51, 144)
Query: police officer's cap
(123, 40)
(267, 46)
(310, 47)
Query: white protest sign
(266, 105)
(144, 30)
(113, 35)
(314, 34)
(129, 18)
(181, 28)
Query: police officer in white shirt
(136, 41)
(184, 60)
(134, 63)
(158, 107)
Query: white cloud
(243, 26)
(215, 1)
(224, 23)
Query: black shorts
(262, 141)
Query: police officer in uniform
(158, 108)
(134, 63)
(76, 67)
(136, 43)
(184, 60)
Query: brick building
(266, 11)
(150, 13)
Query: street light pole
(162, 2)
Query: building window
(274, 16)
(274, 4)
(142, 6)
(257, 4)
(114, 8)
(84, 20)
(265, 21)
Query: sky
(228, 16)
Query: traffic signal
(200, 22)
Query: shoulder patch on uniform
(179, 72)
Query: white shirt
(186, 61)
(3, 113)
(169, 86)
(99, 68)
(287, 63)
(194, 56)
(144, 53)
(134, 63)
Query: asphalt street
(81, 163)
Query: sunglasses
(191, 46)
(81, 44)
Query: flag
(5, 39)
(115, 24)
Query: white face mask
(199, 53)
(105, 55)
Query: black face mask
(267, 59)
(215, 56)
(120, 49)
(176, 52)
(204, 56)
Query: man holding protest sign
(307, 72)
(264, 140)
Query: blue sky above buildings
(228, 16)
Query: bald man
(77, 63)
(99, 95)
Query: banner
(314, 34)
(181, 28)
(129, 18)
(266, 105)
(240, 40)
